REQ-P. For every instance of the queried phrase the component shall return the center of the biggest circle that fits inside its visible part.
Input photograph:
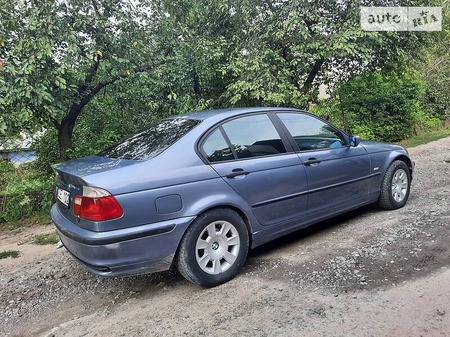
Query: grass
(45, 239)
(427, 137)
(39, 218)
(9, 253)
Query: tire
(214, 248)
(395, 186)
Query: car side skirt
(274, 232)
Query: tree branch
(76, 108)
(95, 6)
(309, 24)
(55, 123)
(88, 80)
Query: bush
(382, 106)
(426, 121)
(330, 110)
(47, 151)
(23, 192)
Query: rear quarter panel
(144, 207)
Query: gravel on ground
(365, 273)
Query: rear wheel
(214, 248)
(395, 186)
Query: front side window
(310, 133)
(150, 143)
(244, 137)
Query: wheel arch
(236, 209)
(407, 161)
(392, 195)
(185, 259)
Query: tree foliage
(61, 54)
(95, 71)
(434, 68)
(286, 49)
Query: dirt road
(366, 273)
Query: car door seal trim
(294, 195)
(344, 183)
(286, 197)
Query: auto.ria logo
(401, 18)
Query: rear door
(337, 174)
(249, 154)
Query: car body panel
(274, 187)
(340, 176)
(267, 234)
(381, 156)
(106, 253)
(162, 196)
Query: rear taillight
(96, 204)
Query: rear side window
(216, 147)
(150, 143)
(254, 136)
(249, 136)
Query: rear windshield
(150, 143)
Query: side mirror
(353, 141)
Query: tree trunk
(196, 86)
(312, 74)
(85, 93)
(65, 133)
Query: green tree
(60, 54)
(151, 59)
(286, 49)
(202, 34)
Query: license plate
(63, 196)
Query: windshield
(150, 143)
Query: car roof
(224, 113)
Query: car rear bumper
(135, 250)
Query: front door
(248, 153)
(337, 174)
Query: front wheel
(214, 248)
(395, 186)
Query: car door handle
(312, 161)
(236, 172)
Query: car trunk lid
(73, 170)
(73, 175)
